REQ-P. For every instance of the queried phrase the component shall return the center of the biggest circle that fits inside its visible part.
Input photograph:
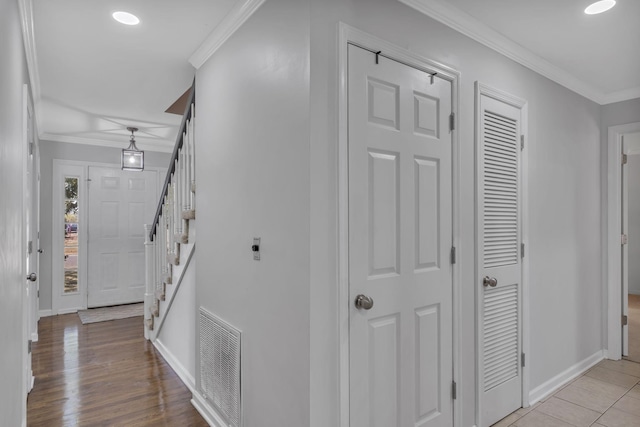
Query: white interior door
(120, 203)
(499, 259)
(400, 238)
(29, 227)
(625, 251)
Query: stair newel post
(150, 277)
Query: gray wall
(632, 146)
(619, 113)
(253, 105)
(13, 74)
(563, 206)
(50, 150)
(272, 173)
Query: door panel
(120, 203)
(499, 255)
(400, 237)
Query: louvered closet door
(499, 259)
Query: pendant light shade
(132, 158)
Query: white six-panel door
(120, 203)
(499, 259)
(400, 238)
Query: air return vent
(220, 366)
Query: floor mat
(104, 314)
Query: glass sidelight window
(71, 230)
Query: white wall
(256, 110)
(632, 144)
(252, 170)
(178, 334)
(564, 198)
(619, 113)
(13, 74)
(50, 150)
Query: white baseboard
(34, 336)
(175, 364)
(207, 412)
(547, 388)
(45, 313)
(68, 311)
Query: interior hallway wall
(618, 113)
(50, 150)
(563, 249)
(252, 168)
(632, 146)
(13, 75)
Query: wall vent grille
(220, 366)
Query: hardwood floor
(104, 374)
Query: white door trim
(56, 244)
(613, 309)
(349, 35)
(522, 105)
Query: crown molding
(464, 23)
(623, 95)
(29, 40)
(229, 25)
(161, 145)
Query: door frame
(57, 252)
(350, 35)
(482, 89)
(613, 292)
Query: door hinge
(624, 159)
(522, 360)
(38, 293)
(623, 239)
(452, 121)
(30, 247)
(29, 344)
(454, 390)
(625, 320)
(522, 142)
(521, 250)
(453, 255)
(31, 144)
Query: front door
(499, 259)
(400, 238)
(119, 205)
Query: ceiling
(93, 77)
(97, 76)
(597, 56)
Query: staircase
(170, 239)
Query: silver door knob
(364, 302)
(490, 281)
(32, 277)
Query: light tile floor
(607, 395)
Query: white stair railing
(170, 228)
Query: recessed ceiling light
(599, 7)
(126, 18)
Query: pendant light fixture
(132, 158)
